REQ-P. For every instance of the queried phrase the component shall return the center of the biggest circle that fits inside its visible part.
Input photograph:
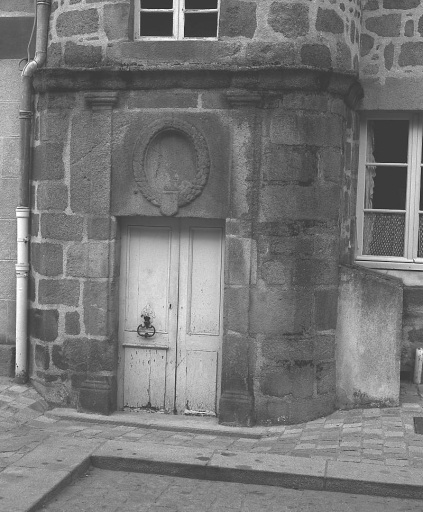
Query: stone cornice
(257, 80)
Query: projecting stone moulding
(171, 164)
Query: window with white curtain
(176, 19)
(390, 202)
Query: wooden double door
(172, 269)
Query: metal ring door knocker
(147, 329)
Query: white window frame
(178, 11)
(410, 261)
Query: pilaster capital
(244, 99)
(101, 100)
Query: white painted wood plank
(205, 281)
(136, 392)
(201, 381)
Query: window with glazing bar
(390, 199)
(176, 19)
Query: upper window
(176, 19)
(390, 199)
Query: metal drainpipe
(23, 209)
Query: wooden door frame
(124, 223)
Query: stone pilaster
(94, 259)
(238, 350)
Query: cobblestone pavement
(370, 436)
(115, 491)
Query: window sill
(173, 39)
(390, 265)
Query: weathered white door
(174, 268)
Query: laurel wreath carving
(196, 187)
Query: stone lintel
(101, 100)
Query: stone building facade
(251, 139)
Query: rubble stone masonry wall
(391, 54)
(323, 34)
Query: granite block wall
(73, 250)
(293, 309)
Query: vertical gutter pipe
(42, 12)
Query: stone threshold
(167, 422)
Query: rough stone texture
(52, 196)
(72, 323)
(411, 54)
(77, 22)
(47, 258)
(329, 21)
(291, 20)
(96, 308)
(388, 25)
(238, 19)
(116, 21)
(316, 55)
(63, 291)
(77, 55)
(7, 360)
(48, 162)
(88, 260)
(61, 226)
(409, 28)
(44, 324)
(389, 56)
(401, 4)
(41, 357)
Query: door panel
(173, 266)
(201, 379)
(204, 289)
(200, 313)
(145, 377)
(148, 276)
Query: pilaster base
(237, 409)
(98, 396)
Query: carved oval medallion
(171, 164)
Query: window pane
(200, 4)
(156, 4)
(200, 25)
(389, 140)
(386, 188)
(383, 234)
(157, 24)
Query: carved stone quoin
(171, 164)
